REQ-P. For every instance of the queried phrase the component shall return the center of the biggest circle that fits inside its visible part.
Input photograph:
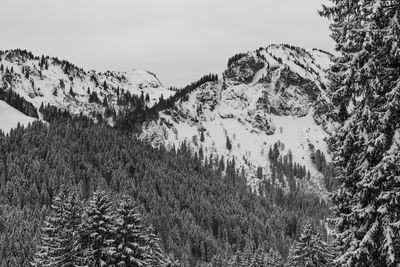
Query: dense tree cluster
(283, 166)
(51, 113)
(101, 233)
(24, 54)
(44, 63)
(310, 250)
(235, 58)
(199, 208)
(261, 257)
(131, 118)
(185, 91)
(93, 98)
(326, 168)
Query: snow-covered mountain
(274, 95)
(271, 95)
(49, 80)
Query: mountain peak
(267, 96)
(48, 80)
(143, 78)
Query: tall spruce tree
(130, 237)
(273, 259)
(69, 241)
(97, 232)
(156, 256)
(309, 251)
(365, 83)
(59, 237)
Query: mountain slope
(49, 80)
(267, 96)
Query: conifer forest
(288, 158)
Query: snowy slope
(50, 81)
(269, 95)
(273, 94)
(10, 117)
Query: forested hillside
(275, 93)
(198, 210)
(278, 163)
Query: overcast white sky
(179, 40)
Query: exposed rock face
(244, 70)
(269, 95)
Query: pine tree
(156, 256)
(367, 146)
(228, 143)
(71, 92)
(309, 250)
(273, 259)
(202, 136)
(105, 102)
(131, 239)
(170, 262)
(47, 253)
(69, 235)
(58, 239)
(97, 232)
(93, 97)
(141, 98)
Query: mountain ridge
(267, 96)
(271, 95)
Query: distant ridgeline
(200, 207)
(132, 118)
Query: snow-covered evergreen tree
(273, 259)
(130, 237)
(170, 261)
(241, 259)
(97, 232)
(309, 251)
(365, 86)
(47, 254)
(69, 234)
(257, 259)
(59, 236)
(218, 261)
(156, 256)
